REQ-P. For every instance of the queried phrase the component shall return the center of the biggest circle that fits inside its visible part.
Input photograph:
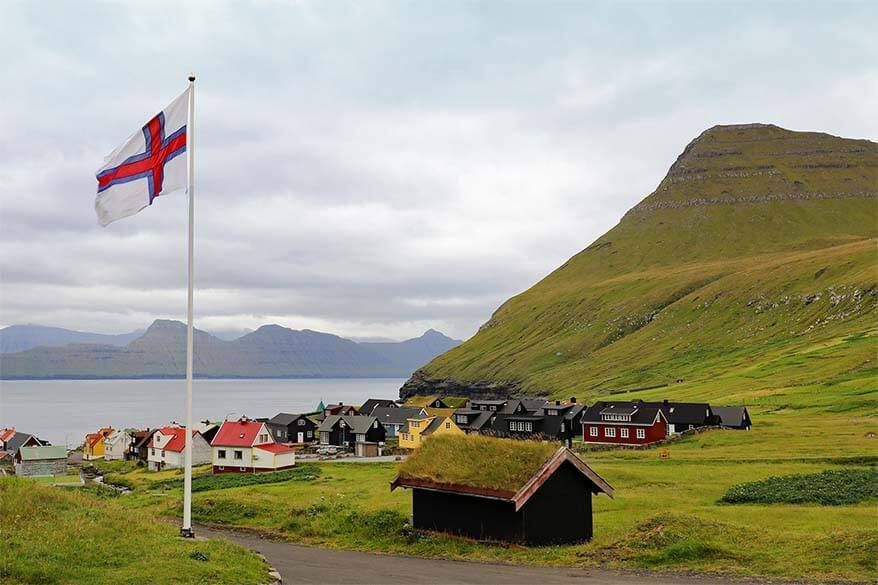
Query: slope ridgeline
(755, 256)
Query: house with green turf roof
(41, 460)
(490, 489)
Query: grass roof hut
(500, 489)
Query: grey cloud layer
(378, 168)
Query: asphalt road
(302, 564)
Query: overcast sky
(378, 168)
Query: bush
(203, 483)
(829, 488)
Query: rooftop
(490, 467)
(477, 461)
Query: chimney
(340, 403)
(557, 403)
(573, 400)
(665, 401)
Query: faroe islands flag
(150, 163)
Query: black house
(733, 417)
(292, 428)
(548, 500)
(345, 431)
(372, 403)
(682, 416)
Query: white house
(116, 444)
(166, 449)
(246, 446)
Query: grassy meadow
(86, 535)
(667, 513)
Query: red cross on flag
(150, 163)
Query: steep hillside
(755, 256)
(270, 351)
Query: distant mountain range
(272, 351)
(24, 337)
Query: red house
(623, 423)
(246, 446)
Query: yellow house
(93, 448)
(417, 430)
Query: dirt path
(302, 564)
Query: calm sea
(63, 411)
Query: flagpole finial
(191, 77)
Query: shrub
(829, 488)
(203, 483)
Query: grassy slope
(54, 535)
(700, 291)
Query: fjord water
(63, 411)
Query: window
(593, 431)
(221, 454)
(301, 422)
(152, 451)
(641, 433)
(414, 424)
(609, 432)
(623, 432)
(552, 412)
(308, 434)
(461, 418)
(528, 427)
(263, 437)
(277, 433)
(239, 454)
(492, 407)
(447, 425)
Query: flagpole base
(187, 533)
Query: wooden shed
(493, 489)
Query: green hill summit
(753, 261)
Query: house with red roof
(166, 448)
(93, 447)
(246, 446)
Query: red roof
(177, 442)
(275, 447)
(6, 434)
(93, 438)
(237, 433)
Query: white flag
(150, 163)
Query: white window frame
(528, 427)
(610, 432)
(220, 453)
(593, 431)
(641, 433)
(623, 432)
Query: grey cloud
(378, 168)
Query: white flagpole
(186, 530)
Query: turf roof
(477, 461)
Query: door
(300, 437)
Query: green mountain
(753, 264)
(271, 351)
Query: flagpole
(186, 530)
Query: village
(378, 427)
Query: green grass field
(73, 535)
(667, 513)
